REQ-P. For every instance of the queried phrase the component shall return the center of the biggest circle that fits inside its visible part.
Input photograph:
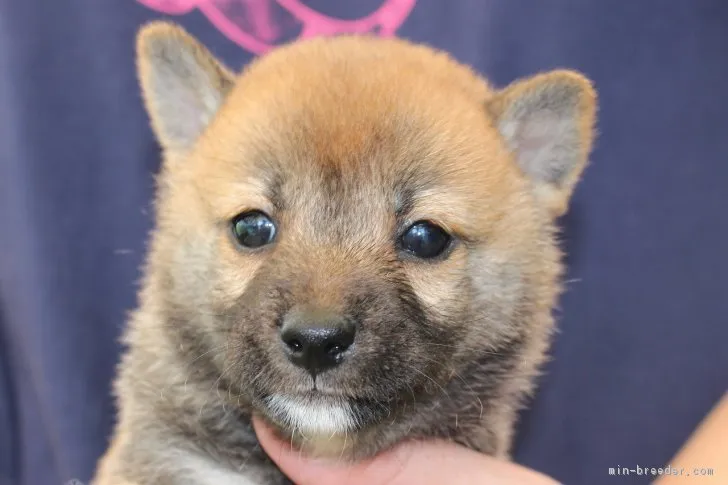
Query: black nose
(317, 346)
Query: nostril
(336, 348)
(294, 345)
(340, 341)
(293, 341)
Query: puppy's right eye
(253, 229)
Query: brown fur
(344, 142)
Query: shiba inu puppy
(355, 240)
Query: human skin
(430, 463)
(707, 447)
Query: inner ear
(182, 83)
(547, 121)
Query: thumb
(407, 464)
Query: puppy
(354, 239)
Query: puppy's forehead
(374, 117)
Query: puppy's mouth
(315, 413)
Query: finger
(412, 463)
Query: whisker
(430, 379)
(214, 384)
(470, 387)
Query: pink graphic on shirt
(260, 25)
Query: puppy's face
(351, 223)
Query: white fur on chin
(313, 416)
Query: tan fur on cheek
(436, 283)
(198, 235)
(235, 270)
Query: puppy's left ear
(548, 123)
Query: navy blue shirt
(640, 357)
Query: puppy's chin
(312, 414)
(319, 424)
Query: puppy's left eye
(253, 229)
(425, 240)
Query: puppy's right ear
(182, 83)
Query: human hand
(408, 464)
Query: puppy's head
(352, 224)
